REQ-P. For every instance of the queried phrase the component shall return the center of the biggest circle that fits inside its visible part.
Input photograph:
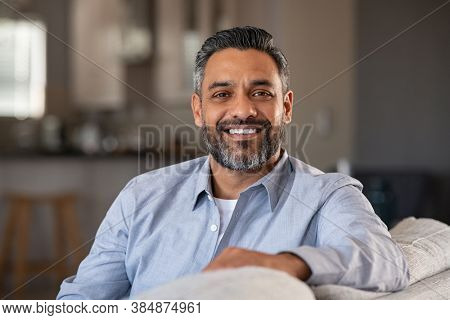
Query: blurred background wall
(370, 80)
(402, 91)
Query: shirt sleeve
(102, 274)
(353, 246)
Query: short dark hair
(241, 38)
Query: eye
(262, 93)
(221, 95)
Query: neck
(228, 184)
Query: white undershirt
(226, 208)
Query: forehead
(240, 65)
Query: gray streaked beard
(221, 151)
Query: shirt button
(209, 198)
(214, 228)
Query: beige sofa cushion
(247, 283)
(436, 287)
(426, 245)
(336, 292)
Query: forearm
(292, 264)
(233, 257)
(374, 269)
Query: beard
(243, 155)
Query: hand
(233, 257)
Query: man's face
(242, 110)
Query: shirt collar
(273, 182)
(203, 183)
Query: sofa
(424, 242)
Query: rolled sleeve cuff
(324, 264)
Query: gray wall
(403, 96)
(318, 38)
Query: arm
(233, 257)
(353, 247)
(102, 274)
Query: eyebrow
(217, 84)
(257, 82)
(261, 82)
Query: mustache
(264, 124)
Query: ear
(196, 105)
(288, 103)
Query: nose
(243, 108)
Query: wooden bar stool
(66, 239)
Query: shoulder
(165, 177)
(318, 184)
(149, 189)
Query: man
(247, 203)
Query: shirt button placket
(214, 227)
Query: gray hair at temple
(241, 38)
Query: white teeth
(242, 131)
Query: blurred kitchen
(84, 85)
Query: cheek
(212, 116)
(274, 115)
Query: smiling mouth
(242, 133)
(242, 129)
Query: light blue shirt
(164, 224)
